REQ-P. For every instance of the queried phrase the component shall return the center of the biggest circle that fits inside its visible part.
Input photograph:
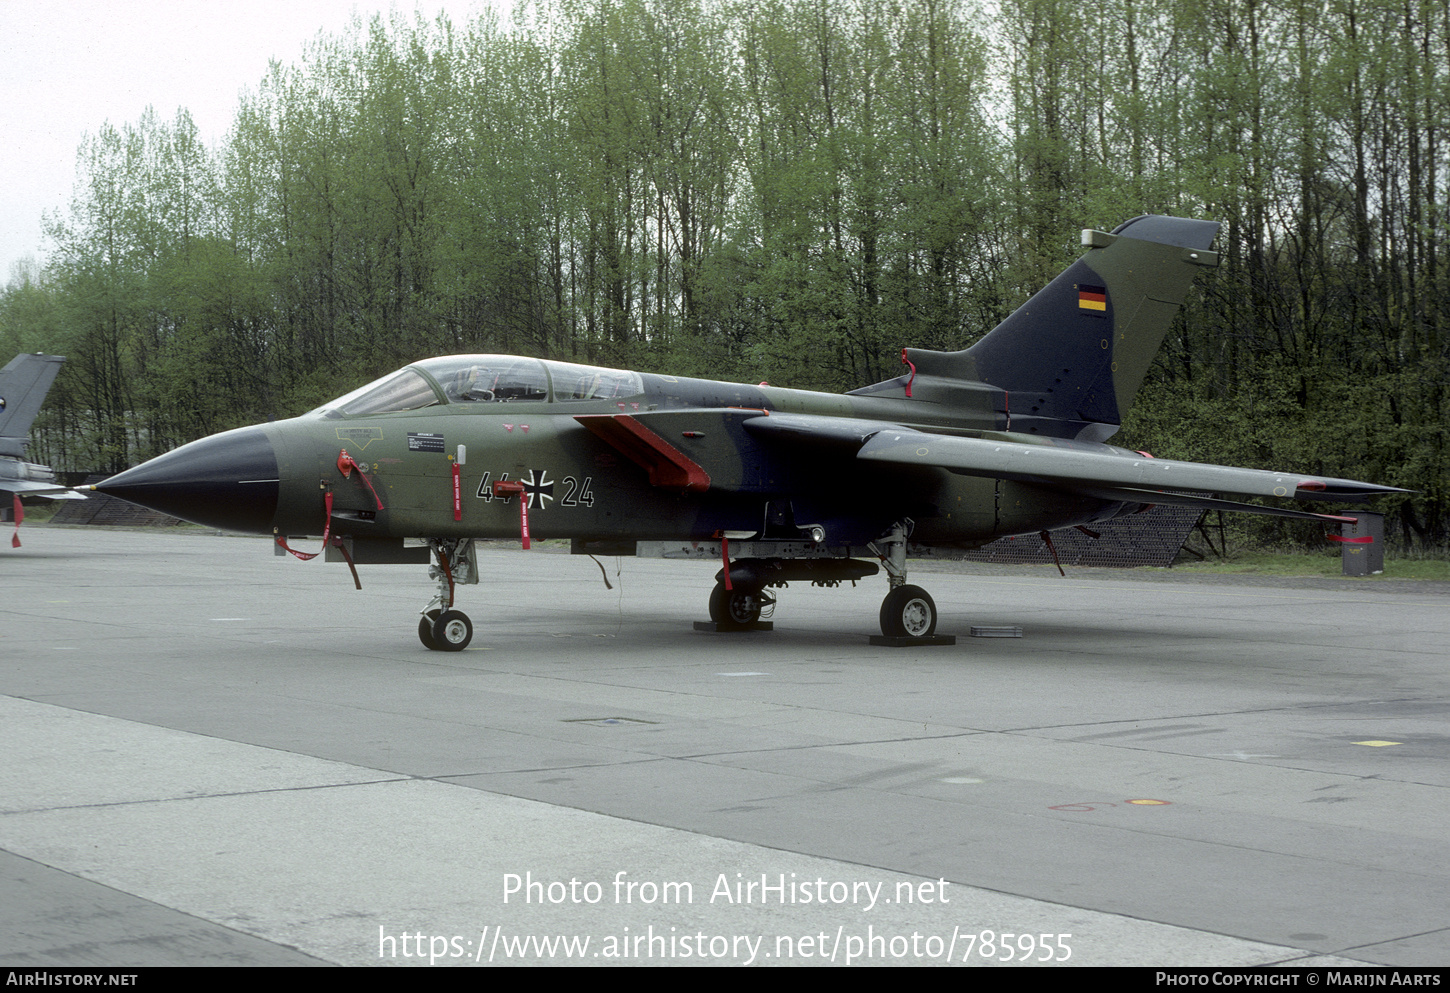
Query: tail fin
(1071, 359)
(23, 384)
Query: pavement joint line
(1243, 711)
(643, 760)
(212, 796)
(971, 733)
(1403, 937)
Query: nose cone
(227, 481)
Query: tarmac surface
(219, 757)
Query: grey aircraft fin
(24, 382)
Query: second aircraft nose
(227, 481)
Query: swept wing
(1084, 468)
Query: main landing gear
(908, 614)
(741, 606)
(907, 611)
(441, 628)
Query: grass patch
(35, 513)
(1301, 564)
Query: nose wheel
(450, 631)
(445, 630)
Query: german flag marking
(1094, 298)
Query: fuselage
(541, 424)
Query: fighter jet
(1006, 437)
(24, 383)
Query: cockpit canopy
(485, 379)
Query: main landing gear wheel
(425, 629)
(452, 631)
(740, 606)
(908, 612)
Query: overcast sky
(69, 66)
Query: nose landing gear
(441, 628)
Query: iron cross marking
(538, 489)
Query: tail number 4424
(577, 492)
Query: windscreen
(404, 390)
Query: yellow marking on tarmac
(1150, 803)
(1378, 744)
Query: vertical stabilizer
(1068, 362)
(24, 383)
(1077, 351)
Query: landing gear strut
(441, 628)
(908, 611)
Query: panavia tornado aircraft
(24, 382)
(1003, 438)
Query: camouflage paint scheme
(1005, 437)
